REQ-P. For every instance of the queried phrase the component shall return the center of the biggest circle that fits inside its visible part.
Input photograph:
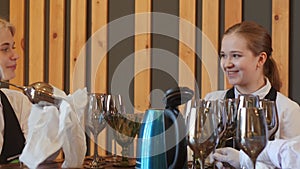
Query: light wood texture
(99, 47)
(57, 43)
(77, 45)
(99, 58)
(36, 40)
(187, 44)
(17, 15)
(210, 28)
(233, 15)
(56, 46)
(280, 40)
(142, 59)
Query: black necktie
(13, 138)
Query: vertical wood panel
(56, 43)
(77, 41)
(99, 21)
(142, 56)
(99, 57)
(187, 36)
(210, 27)
(36, 40)
(233, 12)
(280, 36)
(187, 48)
(233, 15)
(17, 18)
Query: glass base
(124, 164)
(95, 163)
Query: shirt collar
(261, 93)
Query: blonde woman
(14, 106)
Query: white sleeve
(245, 161)
(270, 157)
(284, 153)
(289, 115)
(290, 154)
(272, 152)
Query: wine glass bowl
(95, 123)
(247, 100)
(251, 132)
(202, 134)
(126, 127)
(217, 107)
(229, 107)
(271, 113)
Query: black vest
(13, 138)
(272, 94)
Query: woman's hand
(228, 155)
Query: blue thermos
(161, 141)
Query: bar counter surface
(57, 164)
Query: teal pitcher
(162, 142)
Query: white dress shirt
(288, 110)
(22, 107)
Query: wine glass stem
(198, 163)
(254, 163)
(115, 150)
(202, 163)
(95, 146)
(125, 153)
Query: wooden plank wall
(51, 48)
(280, 37)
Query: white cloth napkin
(50, 129)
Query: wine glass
(217, 107)
(202, 132)
(247, 100)
(251, 132)
(271, 113)
(229, 107)
(126, 127)
(95, 123)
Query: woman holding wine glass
(245, 58)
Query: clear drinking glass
(202, 131)
(95, 123)
(217, 107)
(229, 107)
(125, 125)
(271, 113)
(247, 100)
(251, 132)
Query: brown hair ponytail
(272, 73)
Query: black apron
(13, 138)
